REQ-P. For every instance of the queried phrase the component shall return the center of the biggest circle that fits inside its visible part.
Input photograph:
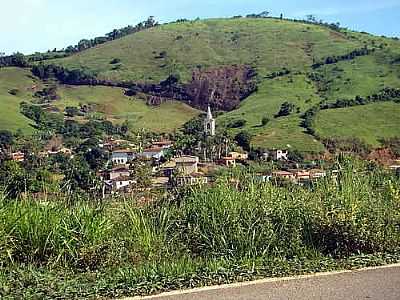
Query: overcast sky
(38, 25)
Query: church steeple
(209, 123)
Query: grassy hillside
(19, 82)
(267, 44)
(115, 106)
(370, 122)
(281, 132)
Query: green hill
(268, 46)
(16, 85)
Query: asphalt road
(380, 284)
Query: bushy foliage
(349, 56)
(286, 109)
(237, 123)
(243, 139)
(347, 145)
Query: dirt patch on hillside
(223, 88)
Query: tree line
(349, 56)
(23, 61)
(113, 35)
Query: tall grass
(206, 229)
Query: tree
(14, 178)
(311, 18)
(264, 121)
(96, 158)
(141, 172)
(286, 109)
(71, 111)
(237, 123)
(6, 139)
(243, 139)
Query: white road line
(255, 282)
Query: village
(167, 167)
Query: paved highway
(374, 283)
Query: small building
(63, 150)
(238, 155)
(228, 162)
(301, 175)
(122, 157)
(168, 168)
(153, 153)
(276, 155)
(193, 179)
(317, 174)
(186, 165)
(119, 171)
(209, 123)
(18, 156)
(120, 184)
(283, 175)
(163, 144)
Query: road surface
(372, 283)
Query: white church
(209, 123)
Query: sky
(29, 26)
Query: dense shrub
(349, 56)
(237, 123)
(286, 109)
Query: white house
(122, 157)
(153, 153)
(163, 144)
(277, 154)
(120, 184)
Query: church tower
(209, 123)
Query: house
(168, 168)
(153, 153)
(228, 161)
(283, 175)
(119, 171)
(120, 184)
(122, 157)
(317, 173)
(187, 165)
(238, 155)
(301, 175)
(63, 150)
(276, 155)
(163, 144)
(263, 178)
(18, 156)
(193, 179)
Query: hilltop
(247, 67)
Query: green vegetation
(304, 64)
(115, 106)
(15, 86)
(267, 44)
(370, 122)
(266, 102)
(84, 249)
